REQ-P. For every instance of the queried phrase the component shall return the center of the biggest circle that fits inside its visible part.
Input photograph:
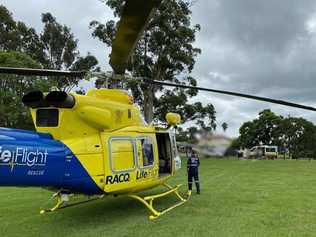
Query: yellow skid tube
(148, 201)
(62, 201)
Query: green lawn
(239, 198)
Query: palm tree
(224, 126)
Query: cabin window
(270, 149)
(122, 154)
(145, 152)
(47, 117)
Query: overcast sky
(266, 48)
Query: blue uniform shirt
(193, 163)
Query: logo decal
(23, 157)
(145, 174)
(118, 178)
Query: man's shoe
(198, 192)
(189, 193)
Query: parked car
(264, 152)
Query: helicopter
(97, 144)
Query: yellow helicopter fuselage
(105, 132)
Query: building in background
(214, 145)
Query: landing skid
(148, 201)
(62, 202)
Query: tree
(8, 30)
(297, 136)
(16, 36)
(164, 52)
(55, 48)
(60, 45)
(261, 130)
(224, 126)
(305, 146)
(12, 112)
(61, 51)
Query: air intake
(34, 99)
(60, 99)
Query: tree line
(293, 135)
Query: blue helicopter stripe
(32, 159)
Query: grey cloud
(257, 47)
(255, 24)
(245, 40)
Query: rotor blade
(135, 16)
(41, 72)
(269, 100)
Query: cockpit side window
(145, 151)
(47, 117)
(122, 154)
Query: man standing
(193, 171)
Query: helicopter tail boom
(31, 159)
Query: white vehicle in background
(263, 152)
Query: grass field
(239, 198)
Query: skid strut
(62, 201)
(148, 201)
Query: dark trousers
(194, 174)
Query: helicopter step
(148, 201)
(62, 202)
